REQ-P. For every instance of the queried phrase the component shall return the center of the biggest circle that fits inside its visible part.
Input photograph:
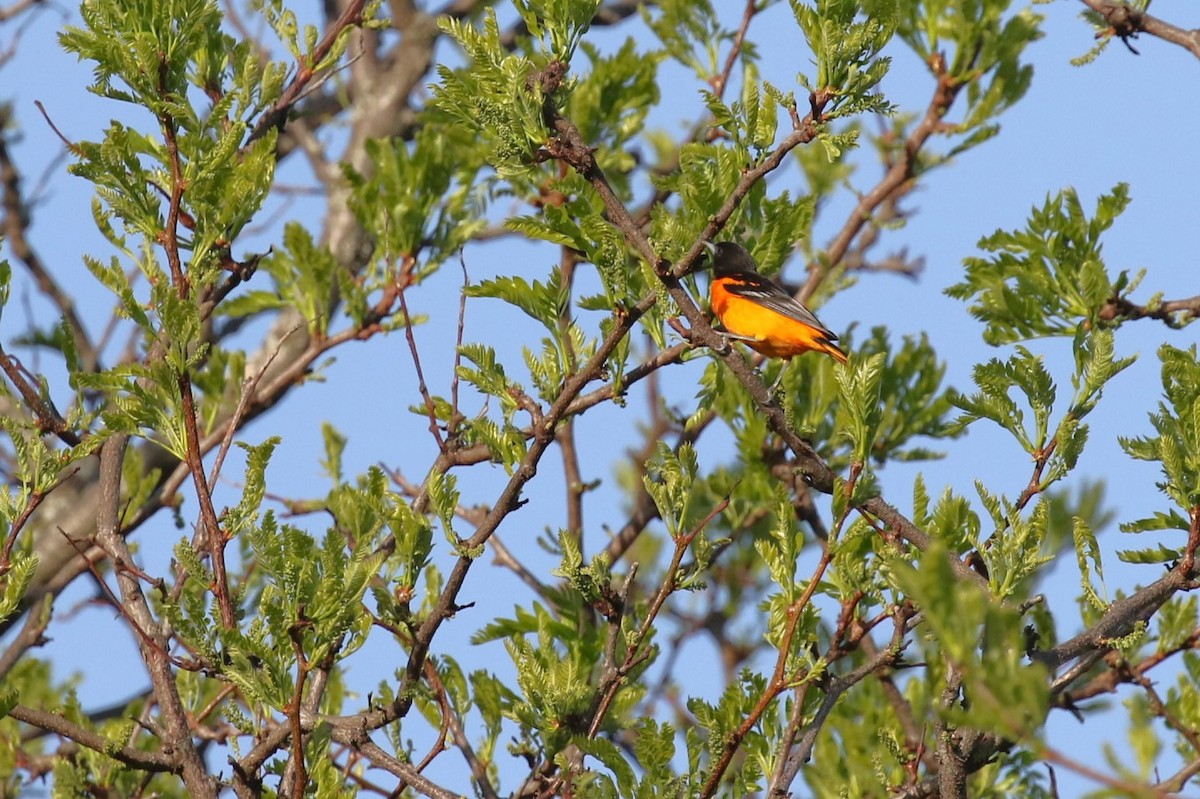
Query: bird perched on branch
(754, 309)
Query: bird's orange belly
(772, 334)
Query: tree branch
(1174, 313)
(153, 762)
(351, 16)
(1126, 23)
(154, 652)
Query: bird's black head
(729, 257)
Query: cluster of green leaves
(419, 200)
(93, 770)
(846, 46)
(302, 42)
(30, 680)
(496, 96)
(563, 349)
(306, 595)
(157, 56)
(1095, 365)
(611, 101)
(912, 402)
(983, 642)
(752, 122)
(1049, 278)
(420, 194)
(556, 670)
(499, 102)
(304, 275)
(690, 34)
(557, 25)
(718, 721)
(557, 652)
(204, 91)
(1176, 446)
(1018, 544)
(36, 466)
(846, 38)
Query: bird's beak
(712, 251)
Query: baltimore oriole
(754, 309)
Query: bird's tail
(829, 348)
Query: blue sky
(1124, 118)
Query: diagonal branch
(274, 118)
(896, 182)
(154, 762)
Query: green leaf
(335, 446)
(1168, 520)
(860, 410)
(613, 759)
(912, 402)
(22, 568)
(494, 98)
(1177, 424)
(544, 302)
(689, 32)
(304, 275)
(443, 496)
(245, 513)
(669, 478)
(489, 376)
(1087, 554)
(419, 196)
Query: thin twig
(422, 387)
(721, 82)
(778, 683)
(45, 414)
(895, 182)
(249, 389)
(452, 425)
(1125, 787)
(381, 759)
